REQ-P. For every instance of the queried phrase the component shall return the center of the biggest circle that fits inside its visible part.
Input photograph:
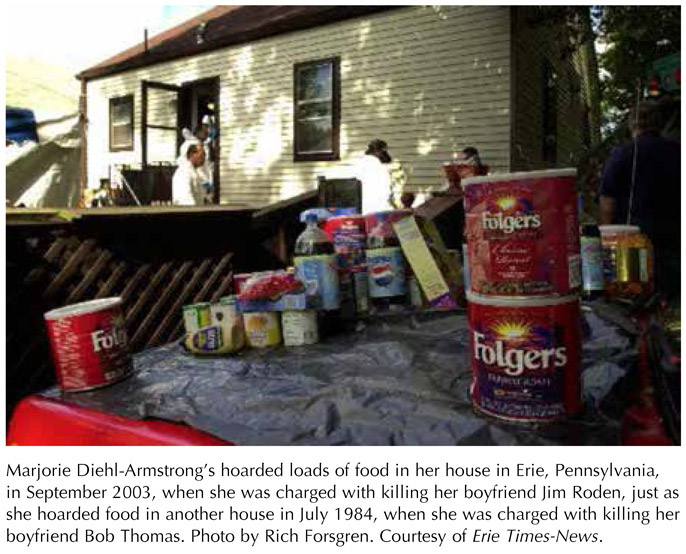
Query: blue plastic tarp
(20, 125)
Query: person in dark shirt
(653, 164)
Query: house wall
(532, 45)
(428, 80)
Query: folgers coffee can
(526, 357)
(89, 344)
(522, 233)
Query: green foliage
(635, 37)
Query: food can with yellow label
(197, 316)
(262, 329)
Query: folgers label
(89, 344)
(526, 357)
(522, 233)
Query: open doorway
(199, 103)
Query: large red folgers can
(89, 344)
(526, 357)
(522, 233)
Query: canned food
(300, 327)
(226, 316)
(526, 356)
(197, 316)
(522, 232)
(262, 329)
(89, 344)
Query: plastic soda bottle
(385, 266)
(316, 264)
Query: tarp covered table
(400, 381)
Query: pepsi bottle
(385, 266)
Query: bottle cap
(311, 217)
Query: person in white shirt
(201, 136)
(188, 181)
(373, 171)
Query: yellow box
(438, 272)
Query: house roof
(225, 26)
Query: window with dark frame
(549, 113)
(316, 110)
(121, 123)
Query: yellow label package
(436, 270)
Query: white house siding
(428, 80)
(532, 45)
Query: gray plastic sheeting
(402, 382)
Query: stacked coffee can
(523, 257)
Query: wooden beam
(93, 271)
(161, 301)
(108, 286)
(174, 313)
(70, 268)
(148, 292)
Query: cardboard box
(437, 270)
(287, 303)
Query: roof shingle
(226, 26)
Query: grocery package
(299, 327)
(526, 357)
(627, 262)
(270, 285)
(387, 271)
(316, 265)
(437, 271)
(593, 281)
(325, 213)
(89, 344)
(523, 233)
(262, 329)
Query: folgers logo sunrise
(509, 214)
(526, 356)
(515, 348)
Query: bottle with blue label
(316, 264)
(591, 261)
(385, 266)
